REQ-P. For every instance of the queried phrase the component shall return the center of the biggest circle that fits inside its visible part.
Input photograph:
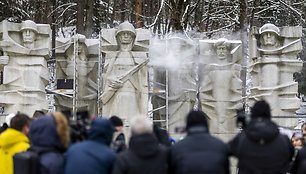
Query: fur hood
(62, 128)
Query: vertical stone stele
(125, 84)
(273, 60)
(23, 66)
(220, 90)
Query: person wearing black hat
(118, 142)
(199, 152)
(260, 147)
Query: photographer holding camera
(260, 147)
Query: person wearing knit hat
(261, 109)
(260, 147)
(196, 118)
(118, 143)
(116, 121)
(187, 155)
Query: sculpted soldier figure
(273, 53)
(220, 85)
(86, 65)
(25, 73)
(125, 89)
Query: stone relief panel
(125, 83)
(25, 49)
(273, 60)
(220, 91)
(87, 68)
(182, 81)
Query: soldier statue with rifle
(125, 87)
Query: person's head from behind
(117, 123)
(21, 122)
(303, 128)
(297, 139)
(196, 119)
(38, 113)
(141, 125)
(261, 109)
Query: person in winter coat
(118, 142)
(260, 147)
(93, 155)
(49, 137)
(13, 140)
(144, 155)
(198, 152)
(299, 165)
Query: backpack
(28, 162)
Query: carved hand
(115, 83)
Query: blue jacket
(44, 139)
(93, 155)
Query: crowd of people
(260, 147)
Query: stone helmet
(222, 41)
(29, 25)
(269, 28)
(126, 26)
(81, 38)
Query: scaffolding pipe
(75, 79)
(167, 91)
(100, 70)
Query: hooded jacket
(260, 148)
(199, 153)
(93, 155)
(11, 141)
(48, 135)
(299, 165)
(143, 156)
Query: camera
(180, 129)
(241, 121)
(78, 128)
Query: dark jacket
(199, 153)
(44, 138)
(93, 155)
(260, 148)
(299, 165)
(144, 156)
(118, 142)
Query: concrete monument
(220, 84)
(87, 68)
(273, 58)
(23, 64)
(125, 86)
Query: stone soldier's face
(221, 51)
(269, 38)
(28, 36)
(125, 37)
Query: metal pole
(167, 94)
(75, 79)
(100, 70)
(167, 91)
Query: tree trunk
(89, 20)
(138, 13)
(243, 19)
(80, 17)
